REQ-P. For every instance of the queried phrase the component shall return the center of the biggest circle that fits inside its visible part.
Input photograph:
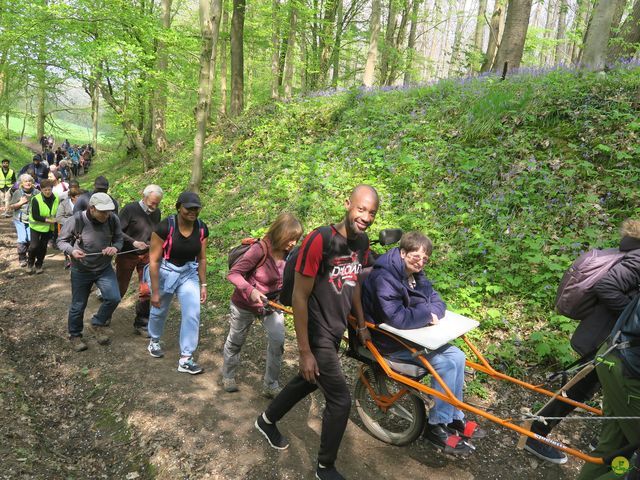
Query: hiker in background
(21, 204)
(257, 276)
(138, 221)
(324, 292)
(49, 157)
(613, 292)
(42, 222)
(7, 179)
(74, 157)
(66, 145)
(65, 210)
(60, 187)
(100, 184)
(91, 238)
(59, 155)
(85, 158)
(63, 169)
(40, 170)
(178, 265)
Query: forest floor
(114, 412)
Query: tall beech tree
(515, 33)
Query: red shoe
(467, 429)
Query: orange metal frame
(384, 402)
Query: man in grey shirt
(92, 238)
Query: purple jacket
(387, 298)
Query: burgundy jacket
(267, 278)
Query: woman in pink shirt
(257, 275)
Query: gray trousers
(239, 326)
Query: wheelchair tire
(402, 423)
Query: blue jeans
(448, 361)
(81, 283)
(239, 326)
(184, 282)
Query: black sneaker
(447, 440)
(190, 366)
(544, 451)
(328, 473)
(272, 434)
(467, 429)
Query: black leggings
(582, 391)
(38, 247)
(336, 393)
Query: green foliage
(512, 180)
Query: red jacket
(245, 276)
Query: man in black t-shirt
(138, 221)
(325, 290)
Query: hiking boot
(39, 270)
(328, 473)
(229, 385)
(189, 366)
(271, 433)
(467, 429)
(544, 451)
(31, 269)
(154, 348)
(102, 334)
(270, 392)
(446, 440)
(78, 344)
(23, 263)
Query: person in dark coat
(614, 291)
(398, 293)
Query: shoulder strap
(168, 242)
(78, 226)
(265, 253)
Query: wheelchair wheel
(402, 422)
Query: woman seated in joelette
(398, 293)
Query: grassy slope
(71, 131)
(511, 179)
(18, 154)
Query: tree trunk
(372, 56)
(495, 33)
(275, 50)
(223, 62)
(617, 16)
(397, 44)
(132, 132)
(547, 52)
(582, 16)
(291, 48)
(411, 44)
(160, 93)
(389, 36)
(209, 13)
(337, 45)
(561, 45)
(42, 93)
(237, 57)
(457, 39)
(626, 44)
(478, 36)
(515, 32)
(95, 113)
(325, 40)
(594, 54)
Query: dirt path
(114, 412)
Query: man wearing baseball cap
(92, 238)
(100, 184)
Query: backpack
(575, 299)
(288, 276)
(168, 242)
(239, 250)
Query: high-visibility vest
(5, 180)
(44, 212)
